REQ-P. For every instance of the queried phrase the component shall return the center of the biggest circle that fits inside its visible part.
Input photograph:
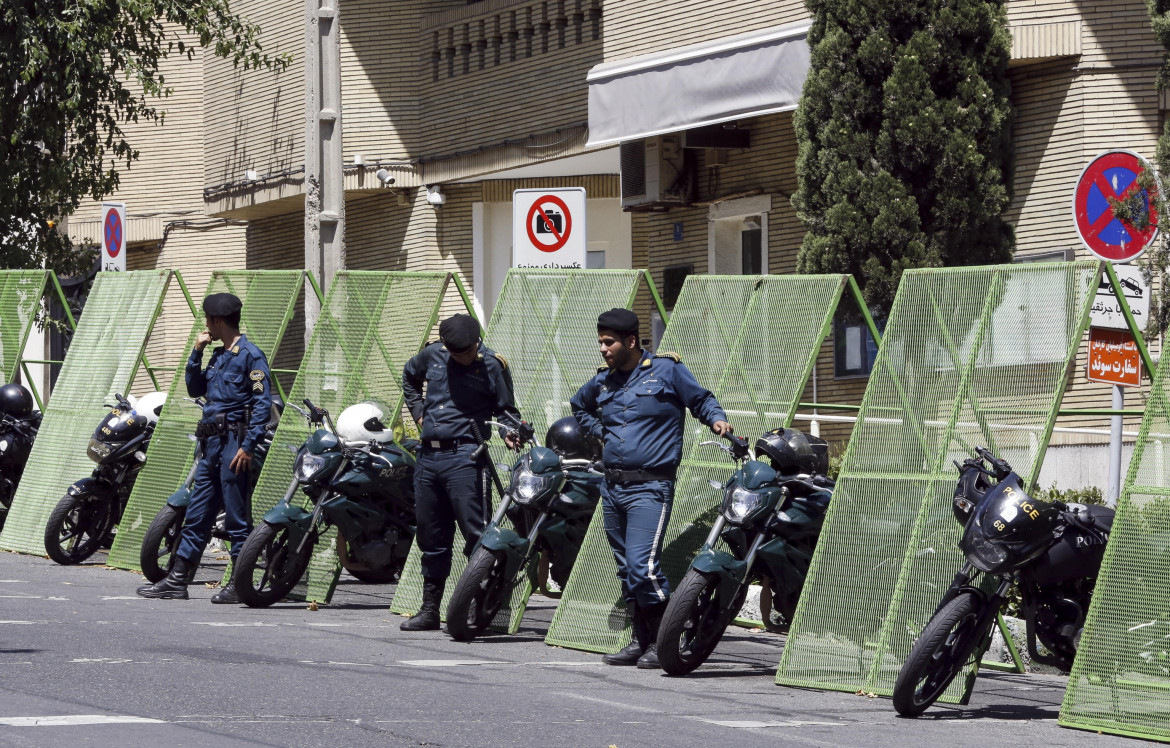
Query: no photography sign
(548, 228)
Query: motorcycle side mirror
(192, 437)
(293, 449)
(715, 484)
(503, 467)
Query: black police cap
(618, 320)
(221, 304)
(459, 331)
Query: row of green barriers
(970, 356)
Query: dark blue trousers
(215, 486)
(449, 489)
(635, 517)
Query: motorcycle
(156, 556)
(84, 519)
(550, 501)
(770, 520)
(357, 481)
(1053, 551)
(19, 423)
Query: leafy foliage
(74, 72)
(904, 133)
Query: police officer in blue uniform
(466, 384)
(635, 404)
(237, 386)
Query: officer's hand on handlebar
(722, 428)
(242, 462)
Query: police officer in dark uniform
(237, 387)
(635, 404)
(466, 385)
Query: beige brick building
(481, 98)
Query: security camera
(384, 176)
(435, 196)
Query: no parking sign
(114, 236)
(1112, 175)
(548, 228)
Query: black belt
(446, 443)
(638, 476)
(204, 429)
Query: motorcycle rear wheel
(478, 596)
(268, 568)
(694, 622)
(939, 654)
(158, 546)
(77, 527)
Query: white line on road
(123, 597)
(749, 724)
(13, 581)
(68, 720)
(227, 624)
(452, 663)
(618, 704)
(22, 623)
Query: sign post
(548, 228)
(114, 236)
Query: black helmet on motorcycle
(567, 438)
(790, 451)
(16, 401)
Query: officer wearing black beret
(466, 384)
(636, 404)
(237, 385)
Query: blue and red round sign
(113, 232)
(1112, 174)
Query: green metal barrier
(545, 325)
(103, 358)
(752, 341)
(270, 299)
(371, 323)
(20, 297)
(970, 356)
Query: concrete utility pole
(324, 178)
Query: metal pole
(1113, 488)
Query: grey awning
(747, 75)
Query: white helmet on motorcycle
(365, 422)
(150, 405)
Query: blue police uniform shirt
(455, 394)
(234, 379)
(640, 415)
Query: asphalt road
(83, 661)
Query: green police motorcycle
(770, 520)
(550, 501)
(358, 481)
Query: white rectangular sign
(548, 228)
(114, 236)
(1106, 311)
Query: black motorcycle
(84, 519)
(156, 556)
(358, 481)
(1053, 551)
(770, 521)
(18, 428)
(550, 502)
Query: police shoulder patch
(256, 375)
(646, 362)
(235, 349)
(671, 355)
(257, 386)
(430, 342)
(603, 367)
(503, 361)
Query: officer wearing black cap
(237, 385)
(635, 404)
(466, 384)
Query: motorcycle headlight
(527, 486)
(308, 466)
(98, 450)
(985, 554)
(741, 502)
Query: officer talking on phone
(237, 385)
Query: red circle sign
(113, 231)
(543, 220)
(1112, 174)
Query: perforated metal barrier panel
(270, 298)
(1120, 681)
(102, 359)
(371, 323)
(20, 296)
(545, 325)
(752, 341)
(969, 357)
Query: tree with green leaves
(904, 131)
(74, 73)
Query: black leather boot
(427, 617)
(227, 595)
(631, 652)
(653, 618)
(174, 585)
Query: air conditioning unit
(650, 172)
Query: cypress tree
(904, 132)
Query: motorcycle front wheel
(478, 596)
(941, 651)
(694, 622)
(268, 566)
(77, 527)
(158, 547)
